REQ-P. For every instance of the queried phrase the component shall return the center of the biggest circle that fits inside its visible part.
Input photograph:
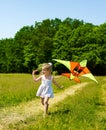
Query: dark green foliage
(70, 39)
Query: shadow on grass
(67, 111)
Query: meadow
(17, 88)
(86, 110)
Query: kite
(77, 69)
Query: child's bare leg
(42, 101)
(46, 105)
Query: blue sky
(14, 14)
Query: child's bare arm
(56, 83)
(34, 77)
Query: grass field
(17, 88)
(86, 110)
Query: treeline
(70, 39)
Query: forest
(68, 39)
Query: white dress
(45, 89)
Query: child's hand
(34, 71)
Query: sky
(14, 14)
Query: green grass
(86, 110)
(17, 88)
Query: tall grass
(17, 88)
(85, 110)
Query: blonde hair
(47, 66)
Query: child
(45, 91)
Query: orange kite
(77, 69)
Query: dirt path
(24, 110)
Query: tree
(70, 39)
